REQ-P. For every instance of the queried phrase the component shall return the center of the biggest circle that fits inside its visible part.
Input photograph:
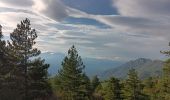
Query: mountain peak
(145, 68)
(93, 65)
(143, 59)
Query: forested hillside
(145, 67)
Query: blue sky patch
(102, 7)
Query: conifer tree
(23, 39)
(133, 87)
(7, 67)
(2, 54)
(1, 32)
(150, 88)
(99, 92)
(95, 82)
(95, 86)
(113, 90)
(38, 87)
(85, 88)
(2, 67)
(165, 87)
(165, 83)
(70, 75)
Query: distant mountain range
(144, 67)
(105, 68)
(93, 66)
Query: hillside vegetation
(145, 67)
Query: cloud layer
(140, 29)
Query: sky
(119, 30)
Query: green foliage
(166, 69)
(165, 82)
(133, 87)
(99, 92)
(71, 79)
(95, 82)
(21, 77)
(33, 74)
(85, 88)
(38, 86)
(1, 32)
(151, 88)
(145, 68)
(7, 70)
(113, 90)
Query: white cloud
(141, 29)
(143, 8)
(16, 3)
(54, 9)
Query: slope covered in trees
(145, 67)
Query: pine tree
(3, 71)
(6, 79)
(38, 87)
(1, 32)
(85, 88)
(70, 75)
(7, 91)
(23, 39)
(113, 90)
(98, 91)
(2, 46)
(165, 83)
(95, 82)
(133, 87)
(151, 88)
(2, 56)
